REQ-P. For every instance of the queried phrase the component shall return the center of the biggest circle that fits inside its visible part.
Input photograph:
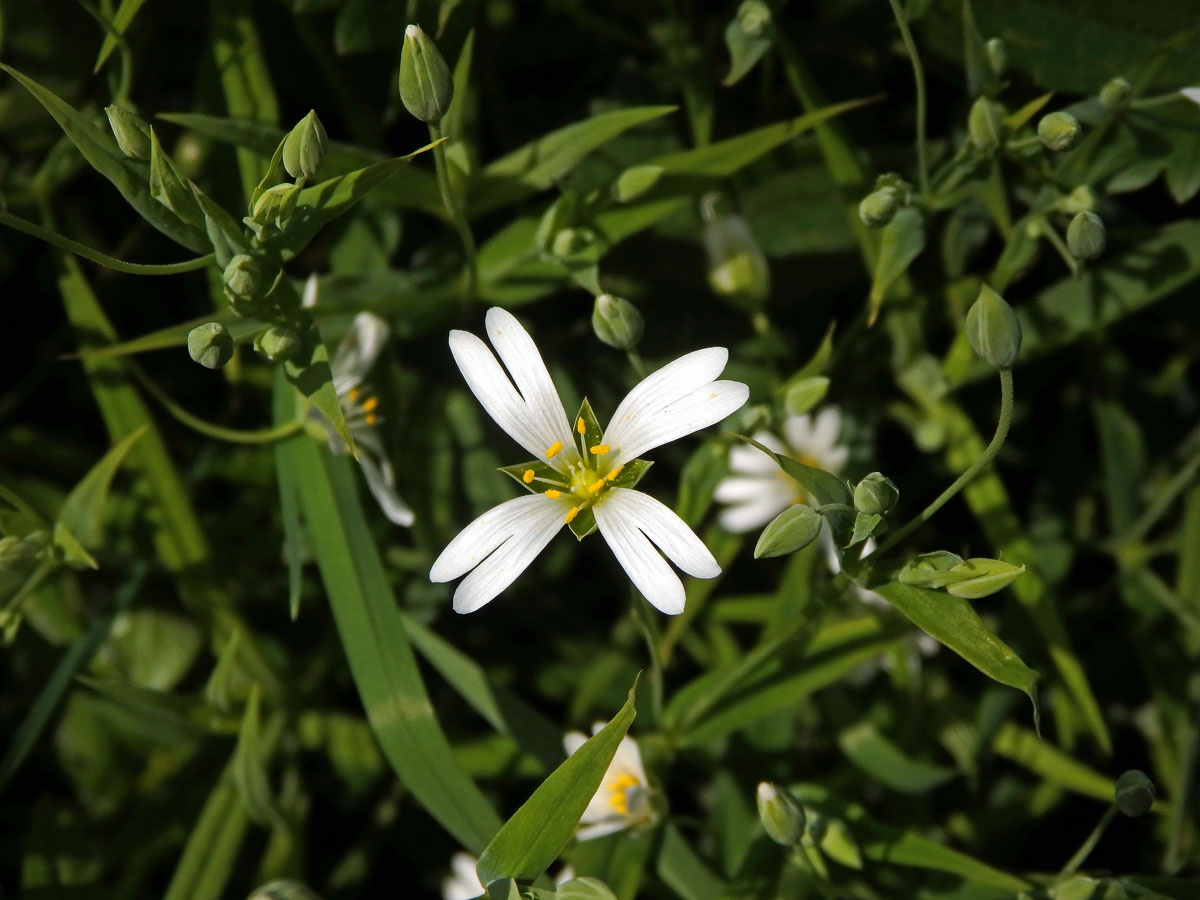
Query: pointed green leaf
(121, 20)
(888, 764)
(310, 373)
(532, 839)
(82, 511)
(249, 767)
(903, 240)
(827, 488)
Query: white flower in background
(757, 490)
(577, 471)
(623, 799)
(1192, 93)
(463, 883)
(350, 364)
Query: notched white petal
(359, 349)
(382, 482)
(699, 408)
(647, 570)
(666, 530)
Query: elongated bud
(793, 529)
(781, 814)
(1058, 131)
(617, 322)
(1114, 96)
(277, 343)
(930, 570)
(737, 268)
(426, 86)
(878, 207)
(168, 187)
(875, 495)
(210, 345)
(979, 577)
(993, 330)
(1135, 793)
(304, 147)
(997, 56)
(131, 131)
(1086, 238)
(985, 124)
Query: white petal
(835, 459)
(358, 350)
(798, 430)
(628, 760)
(752, 514)
(382, 482)
(488, 532)
(573, 740)
(745, 459)
(600, 829)
(647, 570)
(739, 488)
(699, 408)
(825, 431)
(1192, 93)
(309, 298)
(663, 387)
(669, 532)
(464, 883)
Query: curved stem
(1006, 409)
(454, 208)
(919, 78)
(1090, 844)
(103, 259)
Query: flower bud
(985, 124)
(1058, 131)
(737, 268)
(570, 241)
(997, 55)
(273, 208)
(304, 147)
(169, 188)
(754, 17)
(793, 529)
(1082, 199)
(1085, 236)
(979, 577)
(131, 131)
(781, 814)
(1134, 794)
(15, 552)
(245, 283)
(426, 86)
(617, 322)
(931, 570)
(277, 343)
(875, 495)
(878, 207)
(210, 345)
(1114, 96)
(993, 330)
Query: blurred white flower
(678, 399)
(757, 490)
(1192, 93)
(463, 883)
(623, 799)
(351, 362)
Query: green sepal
(864, 527)
(540, 471)
(930, 570)
(980, 577)
(631, 473)
(275, 174)
(592, 431)
(583, 524)
(226, 236)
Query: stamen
(596, 486)
(352, 396)
(614, 473)
(553, 494)
(553, 448)
(617, 793)
(601, 449)
(571, 515)
(580, 426)
(371, 419)
(370, 404)
(527, 476)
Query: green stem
(1164, 499)
(454, 208)
(1006, 410)
(1022, 143)
(919, 78)
(635, 360)
(1159, 100)
(53, 237)
(1090, 844)
(1059, 245)
(645, 620)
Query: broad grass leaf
(682, 870)
(888, 764)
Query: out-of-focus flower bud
(985, 124)
(1134, 794)
(754, 17)
(210, 345)
(1058, 131)
(737, 268)
(426, 85)
(929, 569)
(997, 55)
(793, 529)
(875, 495)
(1114, 96)
(993, 330)
(878, 207)
(283, 889)
(246, 283)
(973, 579)
(570, 241)
(1085, 236)
(304, 147)
(169, 188)
(131, 131)
(277, 343)
(617, 322)
(1082, 199)
(781, 814)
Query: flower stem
(645, 621)
(454, 208)
(919, 78)
(1059, 245)
(635, 360)
(120, 265)
(1090, 844)
(1006, 410)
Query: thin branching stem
(922, 99)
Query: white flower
(757, 490)
(463, 883)
(623, 799)
(578, 471)
(1192, 93)
(350, 364)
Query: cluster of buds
(874, 497)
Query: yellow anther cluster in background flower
(617, 796)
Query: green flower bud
(866, 525)
(570, 241)
(878, 207)
(1058, 131)
(931, 570)
(16, 551)
(781, 814)
(169, 188)
(985, 124)
(245, 283)
(793, 529)
(131, 131)
(1114, 96)
(993, 330)
(426, 86)
(754, 17)
(273, 208)
(210, 345)
(997, 56)
(277, 343)
(972, 579)
(304, 147)
(737, 268)
(617, 322)
(1134, 794)
(1079, 200)
(875, 495)
(1085, 236)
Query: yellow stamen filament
(571, 515)
(553, 448)
(371, 419)
(601, 449)
(353, 395)
(553, 494)
(614, 473)
(370, 404)
(595, 486)
(527, 476)
(617, 788)
(580, 426)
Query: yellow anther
(371, 419)
(601, 449)
(596, 486)
(527, 476)
(353, 395)
(617, 796)
(553, 494)
(370, 404)
(571, 515)
(553, 448)
(580, 426)
(614, 473)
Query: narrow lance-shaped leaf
(903, 240)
